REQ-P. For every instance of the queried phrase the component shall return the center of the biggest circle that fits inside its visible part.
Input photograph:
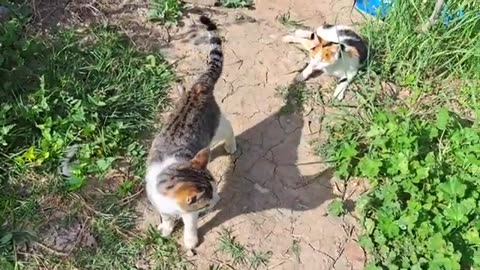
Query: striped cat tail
(215, 62)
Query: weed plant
(420, 154)
(92, 89)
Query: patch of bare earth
(275, 190)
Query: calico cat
(334, 49)
(178, 183)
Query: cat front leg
(291, 39)
(303, 33)
(298, 37)
(190, 236)
(314, 65)
(343, 83)
(167, 225)
(302, 76)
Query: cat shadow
(265, 172)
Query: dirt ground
(275, 190)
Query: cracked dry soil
(275, 190)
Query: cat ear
(315, 40)
(200, 160)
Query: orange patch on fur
(316, 51)
(185, 192)
(325, 54)
(353, 52)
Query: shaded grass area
(417, 148)
(95, 90)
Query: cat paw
(288, 39)
(299, 78)
(231, 148)
(166, 229)
(339, 97)
(190, 241)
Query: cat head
(323, 50)
(195, 187)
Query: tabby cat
(334, 49)
(178, 183)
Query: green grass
(295, 96)
(403, 54)
(419, 154)
(96, 90)
(286, 20)
(236, 3)
(239, 255)
(168, 12)
(336, 208)
(296, 250)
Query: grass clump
(420, 155)
(168, 12)
(95, 90)
(239, 254)
(405, 55)
(236, 3)
(286, 20)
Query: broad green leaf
(374, 131)
(453, 188)
(441, 262)
(372, 266)
(349, 150)
(104, 164)
(369, 167)
(366, 242)
(379, 237)
(476, 259)
(472, 237)
(433, 133)
(421, 173)
(388, 226)
(407, 221)
(436, 242)
(75, 182)
(30, 154)
(336, 208)
(442, 119)
(458, 211)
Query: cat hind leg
(225, 133)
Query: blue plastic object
(447, 16)
(372, 7)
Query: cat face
(195, 187)
(322, 50)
